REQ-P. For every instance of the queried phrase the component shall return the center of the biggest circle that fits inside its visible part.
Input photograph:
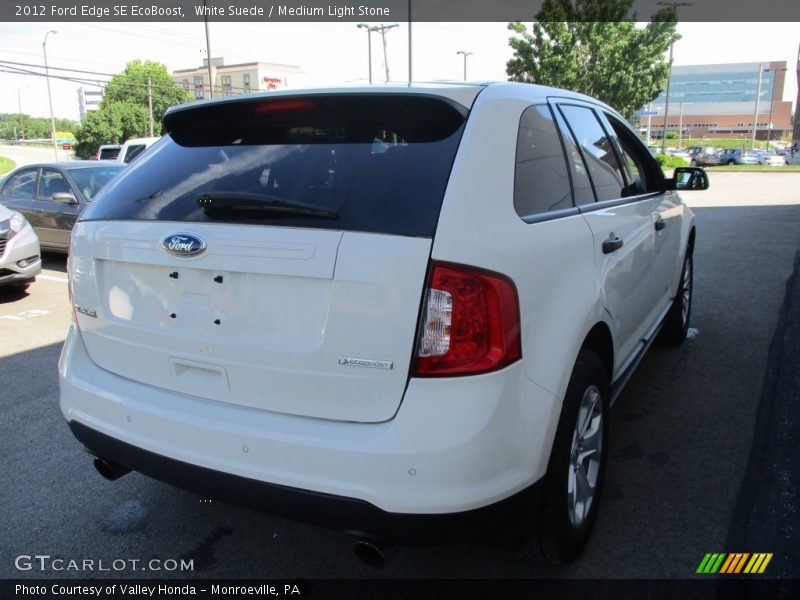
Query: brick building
(237, 79)
(719, 101)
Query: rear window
(371, 162)
(108, 153)
(91, 179)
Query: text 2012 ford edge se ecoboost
(402, 311)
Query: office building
(719, 101)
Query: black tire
(676, 323)
(552, 534)
(693, 163)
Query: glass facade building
(720, 101)
(739, 86)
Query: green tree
(131, 86)
(595, 48)
(124, 113)
(35, 127)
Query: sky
(328, 53)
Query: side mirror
(689, 178)
(65, 198)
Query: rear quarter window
(541, 181)
(378, 162)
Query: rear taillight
(470, 322)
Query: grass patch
(755, 168)
(6, 164)
(719, 143)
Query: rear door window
(581, 184)
(373, 163)
(598, 152)
(51, 182)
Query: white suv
(132, 148)
(401, 311)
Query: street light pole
(674, 6)
(369, 47)
(772, 102)
(755, 114)
(466, 54)
(666, 106)
(49, 95)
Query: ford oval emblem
(184, 244)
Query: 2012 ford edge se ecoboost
(402, 312)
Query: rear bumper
(325, 510)
(459, 456)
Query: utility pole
(369, 47)
(383, 29)
(755, 114)
(410, 20)
(49, 95)
(150, 103)
(21, 120)
(466, 54)
(674, 6)
(208, 53)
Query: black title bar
(364, 10)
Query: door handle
(612, 245)
(660, 224)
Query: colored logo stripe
(711, 563)
(759, 562)
(734, 563)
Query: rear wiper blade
(251, 202)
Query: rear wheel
(676, 323)
(574, 480)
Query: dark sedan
(52, 195)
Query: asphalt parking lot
(703, 440)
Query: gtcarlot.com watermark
(45, 563)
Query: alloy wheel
(584, 464)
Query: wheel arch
(601, 342)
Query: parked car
(770, 159)
(108, 152)
(410, 340)
(793, 159)
(133, 148)
(52, 195)
(20, 260)
(705, 157)
(680, 153)
(736, 156)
